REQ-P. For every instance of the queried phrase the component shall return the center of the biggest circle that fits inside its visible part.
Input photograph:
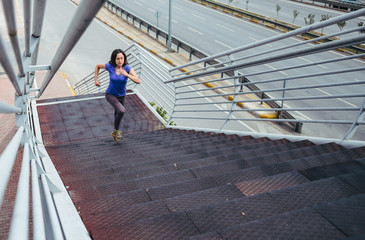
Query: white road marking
(198, 16)
(352, 105)
(282, 72)
(138, 3)
(227, 28)
(180, 9)
(192, 29)
(225, 45)
(306, 60)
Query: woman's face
(119, 60)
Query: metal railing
(312, 81)
(53, 213)
(248, 60)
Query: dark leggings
(117, 103)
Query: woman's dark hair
(114, 56)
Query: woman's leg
(119, 109)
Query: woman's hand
(97, 83)
(124, 73)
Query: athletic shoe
(117, 135)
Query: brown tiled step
(183, 187)
(172, 226)
(357, 180)
(239, 211)
(99, 193)
(120, 176)
(347, 214)
(312, 193)
(143, 169)
(92, 161)
(246, 161)
(120, 214)
(229, 213)
(298, 164)
(133, 166)
(203, 198)
(107, 196)
(272, 183)
(317, 173)
(300, 224)
(97, 149)
(221, 179)
(130, 185)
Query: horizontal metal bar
(7, 108)
(272, 120)
(39, 68)
(320, 109)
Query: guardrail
(247, 57)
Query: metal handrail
(53, 214)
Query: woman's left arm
(132, 75)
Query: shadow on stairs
(162, 183)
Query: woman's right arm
(97, 67)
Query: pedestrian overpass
(172, 182)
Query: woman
(119, 72)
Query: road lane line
(306, 60)
(68, 84)
(197, 16)
(352, 105)
(282, 72)
(225, 45)
(192, 29)
(180, 9)
(227, 28)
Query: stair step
(317, 173)
(303, 223)
(313, 193)
(172, 226)
(226, 214)
(268, 184)
(202, 198)
(347, 214)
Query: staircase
(161, 183)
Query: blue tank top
(117, 83)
